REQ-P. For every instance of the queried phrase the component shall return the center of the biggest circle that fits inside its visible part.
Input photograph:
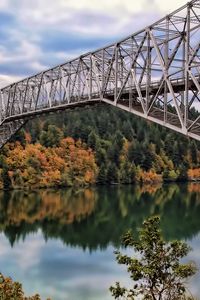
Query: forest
(96, 145)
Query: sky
(38, 34)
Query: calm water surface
(60, 243)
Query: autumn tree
(34, 165)
(13, 290)
(158, 273)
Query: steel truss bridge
(153, 73)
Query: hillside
(96, 145)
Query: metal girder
(153, 73)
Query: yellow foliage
(37, 166)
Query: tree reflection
(94, 218)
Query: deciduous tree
(158, 273)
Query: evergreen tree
(51, 137)
(92, 140)
(101, 179)
(6, 178)
(112, 173)
(194, 152)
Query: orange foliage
(194, 174)
(148, 177)
(27, 137)
(37, 166)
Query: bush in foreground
(10, 290)
(158, 273)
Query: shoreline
(82, 187)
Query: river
(60, 243)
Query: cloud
(169, 5)
(38, 34)
(51, 12)
(3, 4)
(24, 51)
(7, 79)
(78, 16)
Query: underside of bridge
(153, 73)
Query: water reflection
(94, 218)
(48, 231)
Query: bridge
(154, 74)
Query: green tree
(135, 153)
(112, 173)
(148, 159)
(6, 178)
(194, 152)
(19, 136)
(158, 273)
(51, 137)
(127, 172)
(183, 172)
(128, 131)
(92, 140)
(101, 179)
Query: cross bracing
(154, 73)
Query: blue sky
(37, 34)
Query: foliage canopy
(158, 273)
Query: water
(60, 243)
